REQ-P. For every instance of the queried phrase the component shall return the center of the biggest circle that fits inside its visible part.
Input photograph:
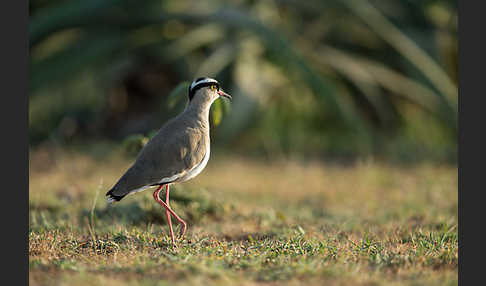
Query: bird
(178, 152)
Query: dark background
(333, 79)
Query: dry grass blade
(100, 185)
(404, 45)
(217, 61)
(196, 38)
(375, 73)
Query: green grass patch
(270, 223)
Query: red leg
(182, 222)
(167, 213)
(169, 221)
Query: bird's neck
(200, 111)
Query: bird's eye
(213, 87)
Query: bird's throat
(200, 111)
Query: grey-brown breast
(179, 146)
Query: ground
(249, 222)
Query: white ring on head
(194, 83)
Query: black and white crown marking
(200, 83)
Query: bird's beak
(224, 94)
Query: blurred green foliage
(337, 78)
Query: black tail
(114, 197)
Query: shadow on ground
(193, 206)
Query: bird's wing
(164, 159)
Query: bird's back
(177, 147)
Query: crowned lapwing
(178, 152)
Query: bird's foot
(182, 230)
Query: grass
(250, 222)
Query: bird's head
(205, 89)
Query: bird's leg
(167, 213)
(183, 223)
(157, 199)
